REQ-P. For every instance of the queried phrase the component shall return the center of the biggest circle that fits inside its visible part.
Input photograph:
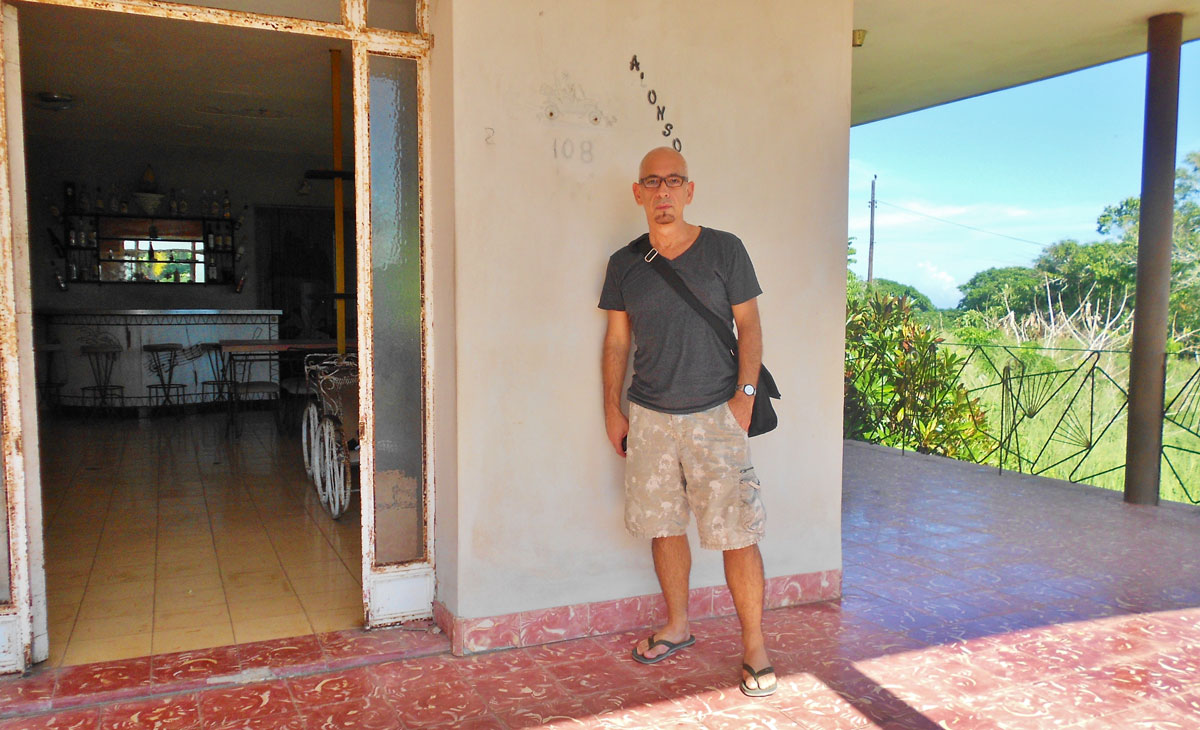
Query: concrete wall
(539, 124)
(252, 178)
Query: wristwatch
(748, 389)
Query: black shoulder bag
(762, 417)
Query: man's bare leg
(673, 564)
(744, 575)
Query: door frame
(391, 593)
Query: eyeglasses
(650, 182)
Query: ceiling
(921, 53)
(201, 85)
(180, 83)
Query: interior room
(181, 198)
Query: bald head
(663, 157)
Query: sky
(1037, 163)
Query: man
(689, 409)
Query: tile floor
(971, 600)
(164, 536)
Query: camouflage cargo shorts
(699, 461)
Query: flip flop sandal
(671, 649)
(758, 691)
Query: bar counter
(67, 331)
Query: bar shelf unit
(115, 248)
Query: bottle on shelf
(99, 200)
(114, 200)
(241, 282)
(226, 208)
(59, 281)
(241, 218)
(69, 196)
(173, 204)
(214, 205)
(183, 202)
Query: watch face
(748, 389)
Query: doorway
(390, 59)
(164, 532)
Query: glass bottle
(183, 201)
(226, 209)
(99, 201)
(214, 205)
(114, 200)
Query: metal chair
(163, 357)
(49, 390)
(220, 387)
(102, 358)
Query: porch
(971, 600)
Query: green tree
(996, 291)
(901, 389)
(919, 302)
(1099, 273)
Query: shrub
(900, 388)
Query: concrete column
(1147, 372)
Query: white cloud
(942, 278)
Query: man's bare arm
(614, 361)
(750, 348)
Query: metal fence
(1057, 412)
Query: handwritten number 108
(566, 149)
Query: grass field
(1061, 413)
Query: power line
(961, 225)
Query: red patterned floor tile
(27, 694)
(567, 651)
(362, 645)
(498, 662)
(682, 685)
(288, 721)
(283, 656)
(1147, 678)
(616, 698)
(563, 712)
(113, 680)
(478, 722)
(364, 713)
(176, 712)
(530, 686)
(235, 704)
(392, 677)
(194, 666)
(88, 719)
(1144, 717)
(592, 675)
(317, 690)
(449, 701)
(657, 715)
(749, 717)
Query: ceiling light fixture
(860, 35)
(53, 101)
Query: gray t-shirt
(679, 364)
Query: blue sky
(1038, 163)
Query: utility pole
(871, 248)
